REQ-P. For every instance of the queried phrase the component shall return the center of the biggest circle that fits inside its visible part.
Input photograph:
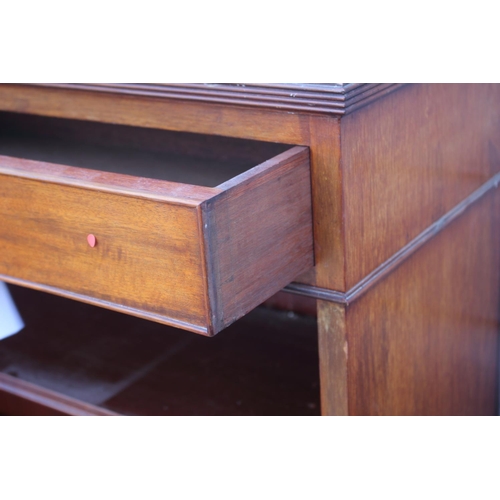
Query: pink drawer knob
(91, 240)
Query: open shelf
(264, 364)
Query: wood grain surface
(147, 259)
(409, 158)
(388, 266)
(425, 340)
(326, 178)
(105, 182)
(319, 132)
(258, 235)
(150, 257)
(333, 358)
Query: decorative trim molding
(113, 306)
(32, 397)
(398, 258)
(316, 98)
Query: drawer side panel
(259, 235)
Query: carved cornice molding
(316, 98)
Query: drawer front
(147, 257)
(192, 257)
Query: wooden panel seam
(398, 258)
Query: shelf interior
(264, 364)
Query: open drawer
(196, 257)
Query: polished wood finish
(323, 98)
(431, 348)
(179, 254)
(327, 204)
(397, 175)
(133, 268)
(387, 267)
(431, 147)
(416, 168)
(259, 226)
(320, 133)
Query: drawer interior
(264, 364)
(183, 253)
(158, 154)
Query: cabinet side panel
(424, 340)
(258, 237)
(409, 158)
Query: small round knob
(91, 240)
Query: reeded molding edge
(321, 98)
(398, 258)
